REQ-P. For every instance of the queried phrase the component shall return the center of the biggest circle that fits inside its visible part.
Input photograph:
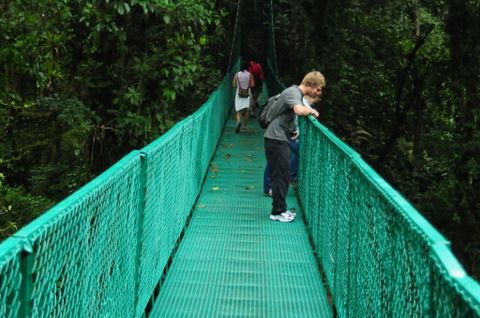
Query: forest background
(84, 82)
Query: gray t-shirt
(283, 125)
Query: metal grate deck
(233, 261)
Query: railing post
(26, 285)
(141, 214)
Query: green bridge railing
(102, 251)
(381, 258)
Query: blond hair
(314, 79)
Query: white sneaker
(292, 212)
(283, 217)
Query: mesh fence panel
(175, 167)
(76, 260)
(380, 256)
(10, 277)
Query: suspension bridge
(180, 228)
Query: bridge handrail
(380, 256)
(102, 251)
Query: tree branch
(400, 113)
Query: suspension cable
(273, 39)
(234, 36)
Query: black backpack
(267, 113)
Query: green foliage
(45, 140)
(84, 82)
(18, 208)
(149, 57)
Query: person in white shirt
(243, 81)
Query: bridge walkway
(233, 260)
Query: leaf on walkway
(214, 168)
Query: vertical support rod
(140, 219)
(26, 286)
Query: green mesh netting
(10, 277)
(175, 168)
(77, 259)
(380, 256)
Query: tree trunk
(463, 24)
(401, 113)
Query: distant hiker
(243, 81)
(256, 70)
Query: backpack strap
(238, 81)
